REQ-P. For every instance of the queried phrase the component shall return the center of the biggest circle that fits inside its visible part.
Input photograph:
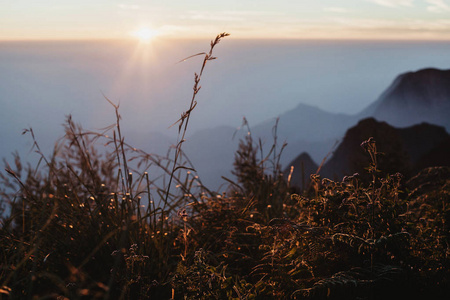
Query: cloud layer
(438, 6)
(393, 3)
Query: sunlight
(145, 34)
(139, 66)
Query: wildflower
(366, 144)
(398, 175)
(182, 214)
(315, 177)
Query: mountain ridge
(414, 97)
(310, 129)
(401, 150)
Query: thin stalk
(186, 116)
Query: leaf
(186, 168)
(183, 60)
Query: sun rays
(145, 34)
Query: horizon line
(240, 38)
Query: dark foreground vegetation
(100, 219)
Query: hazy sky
(377, 19)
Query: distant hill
(308, 123)
(404, 150)
(212, 153)
(415, 97)
(303, 167)
(305, 127)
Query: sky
(300, 19)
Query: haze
(63, 57)
(42, 82)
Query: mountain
(415, 97)
(404, 150)
(305, 127)
(309, 123)
(211, 151)
(412, 98)
(438, 156)
(300, 169)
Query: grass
(100, 219)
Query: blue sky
(330, 19)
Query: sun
(145, 34)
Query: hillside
(412, 98)
(302, 166)
(415, 97)
(404, 150)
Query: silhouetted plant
(261, 178)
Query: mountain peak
(303, 166)
(403, 150)
(427, 86)
(415, 97)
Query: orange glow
(145, 34)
